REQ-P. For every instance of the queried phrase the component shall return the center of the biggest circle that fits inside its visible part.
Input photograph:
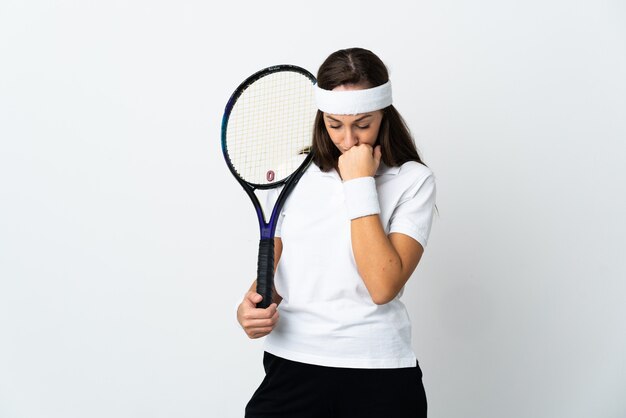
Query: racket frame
(265, 266)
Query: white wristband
(361, 197)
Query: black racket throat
(267, 228)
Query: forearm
(378, 262)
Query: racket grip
(265, 272)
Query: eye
(334, 127)
(363, 127)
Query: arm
(384, 263)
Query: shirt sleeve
(413, 215)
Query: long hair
(361, 66)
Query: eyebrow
(356, 120)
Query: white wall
(125, 243)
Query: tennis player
(349, 237)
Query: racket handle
(265, 272)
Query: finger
(256, 335)
(258, 332)
(259, 313)
(259, 323)
(252, 298)
(265, 322)
(267, 312)
(273, 320)
(378, 153)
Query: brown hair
(360, 66)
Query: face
(347, 131)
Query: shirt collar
(383, 170)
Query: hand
(256, 322)
(359, 161)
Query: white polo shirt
(327, 316)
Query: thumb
(254, 298)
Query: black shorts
(297, 390)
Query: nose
(350, 139)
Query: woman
(349, 237)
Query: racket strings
(270, 125)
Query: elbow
(382, 297)
(383, 291)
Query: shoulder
(415, 170)
(415, 176)
(407, 176)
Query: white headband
(351, 102)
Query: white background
(125, 243)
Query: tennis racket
(267, 132)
